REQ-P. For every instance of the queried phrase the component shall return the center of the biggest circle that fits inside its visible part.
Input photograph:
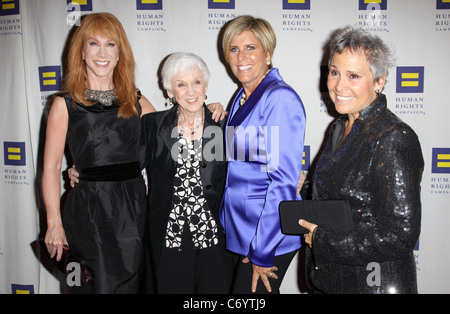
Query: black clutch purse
(334, 214)
(63, 264)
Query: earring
(377, 90)
(206, 97)
(269, 63)
(172, 101)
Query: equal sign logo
(221, 4)
(14, 153)
(373, 4)
(22, 289)
(85, 5)
(410, 79)
(443, 4)
(296, 4)
(441, 160)
(50, 78)
(306, 163)
(9, 7)
(149, 4)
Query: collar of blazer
(251, 102)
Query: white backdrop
(33, 36)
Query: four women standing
(264, 138)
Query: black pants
(244, 273)
(192, 271)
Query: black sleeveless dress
(104, 214)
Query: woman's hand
(54, 239)
(300, 182)
(311, 227)
(218, 113)
(73, 176)
(264, 272)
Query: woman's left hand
(264, 272)
(218, 113)
(311, 227)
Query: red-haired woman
(98, 115)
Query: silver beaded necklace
(105, 97)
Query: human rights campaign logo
(306, 163)
(14, 154)
(443, 4)
(22, 289)
(441, 160)
(9, 7)
(296, 4)
(221, 4)
(85, 5)
(149, 4)
(373, 4)
(410, 79)
(50, 78)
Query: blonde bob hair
(107, 26)
(262, 30)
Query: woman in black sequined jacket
(374, 161)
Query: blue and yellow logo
(410, 79)
(22, 289)
(50, 78)
(9, 7)
(296, 4)
(373, 4)
(85, 5)
(441, 160)
(306, 163)
(443, 4)
(14, 153)
(221, 4)
(149, 4)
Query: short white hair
(179, 62)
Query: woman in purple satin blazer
(265, 136)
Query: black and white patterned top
(188, 200)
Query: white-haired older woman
(183, 150)
(374, 161)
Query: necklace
(105, 97)
(243, 99)
(192, 129)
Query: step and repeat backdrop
(33, 38)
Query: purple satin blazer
(264, 146)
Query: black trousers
(244, 272)
(192, 271)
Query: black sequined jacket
(378, 169)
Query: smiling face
(189, 89)
(100, 55)
(351, 84)
(248, 60)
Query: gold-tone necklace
(243, 99)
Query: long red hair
(108, 26)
